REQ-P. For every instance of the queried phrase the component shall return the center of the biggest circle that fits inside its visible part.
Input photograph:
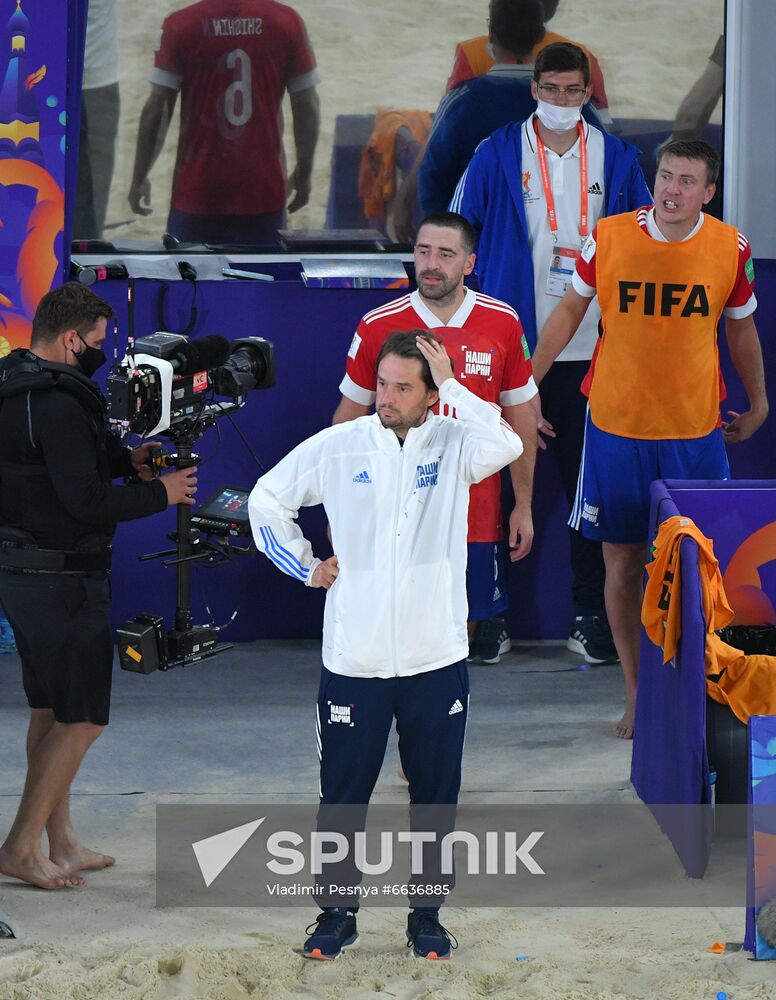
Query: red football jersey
(232, 61)
(490, 357)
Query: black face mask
(90, 358)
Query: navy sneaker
(592, 639)
(335, 929)
(427, 937)
(489, 641)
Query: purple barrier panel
(669, 758)
(761, 868)
(344, 209)
(756, 457)
(740, 518)
(540, 605)
(669, 762)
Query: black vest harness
(24, 372)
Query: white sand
(399, 53)
(637, 962)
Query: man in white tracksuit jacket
(395, 487)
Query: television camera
(168, 385)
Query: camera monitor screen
(225, 512)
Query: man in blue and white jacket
(395, 487)
(533, 192)
(474, 109)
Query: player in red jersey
(484, 339)
(232, 61)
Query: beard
(446, 286)
(389, 419)
(392, 420)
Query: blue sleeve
(638, 192)
(471, 194)
(441, 168)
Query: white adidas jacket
(398, 519)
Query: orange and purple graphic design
(33, 126)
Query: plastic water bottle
(7, 641)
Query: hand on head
(438, 359)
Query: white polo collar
(531, 136)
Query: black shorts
(62, 629)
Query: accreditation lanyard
(552, 216)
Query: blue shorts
(612, 501)
(486, 583)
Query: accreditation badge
(563, 262)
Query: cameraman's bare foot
(80, 859)
(624, 728)
(37, 870)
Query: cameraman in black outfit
(58, 513)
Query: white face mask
(558, 118)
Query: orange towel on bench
(377, 173)
(744, 682)
(661, 612)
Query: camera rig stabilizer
(166, 385)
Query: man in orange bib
(664, 276)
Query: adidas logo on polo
(595, 189)
(456, 708)
(362, 477)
